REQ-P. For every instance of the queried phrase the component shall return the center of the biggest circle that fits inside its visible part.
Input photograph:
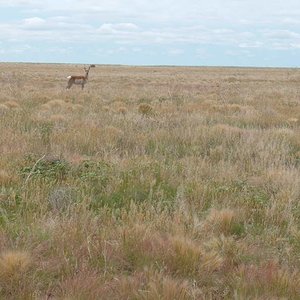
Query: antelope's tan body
(79, 80)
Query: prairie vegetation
(151, 183)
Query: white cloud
(279, 34)
(11, 3)
(61, 28)
(33, 23)
(167, 25)
(281, 39)
(254, 44)
(189, 11)
(109, 28)
(19, 49)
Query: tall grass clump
(145, 109)
(14, 266)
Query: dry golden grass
(11, 104)
(151, 183)
(145, 109)
(13, 264)
(3, 108)
(5, 178)
(13, 268)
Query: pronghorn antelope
(80, 80)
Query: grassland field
(151, 183)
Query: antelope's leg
(70, 83)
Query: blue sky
(159, 32)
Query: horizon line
(151, 65)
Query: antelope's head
(88, 69)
